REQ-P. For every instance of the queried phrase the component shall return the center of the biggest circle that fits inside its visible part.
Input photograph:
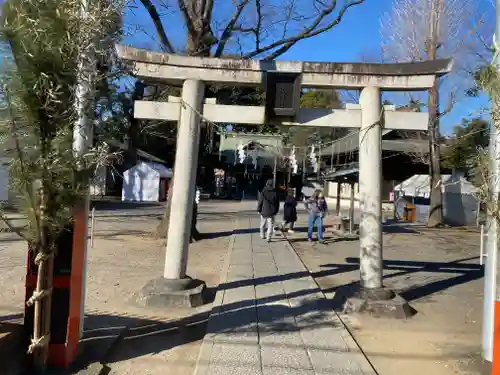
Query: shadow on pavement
(390, 229)
(385, 228)
(11, 344)
(112, 338)
(10, 237)
(9, 318)
(247, 231)
(112, 205)
(460, 273)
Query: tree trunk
(197, 19)
(135, 126)
(436, 200)
(162, 228)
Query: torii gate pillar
(183, 193)
(175, 288)
(370, 175)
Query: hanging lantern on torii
(282, 95)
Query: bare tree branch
(155, 17)
(187, 16)
(270, 25)
(207, 9)
(258, 28)
(289, 16)
(226, 34)
(310, 31)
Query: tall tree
(468, 138)
(263, 29)
(425, 30)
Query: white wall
(141, 183)
(345, 197)
(345, 190)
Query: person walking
(317, 208)
(289, 211)
(268, 206)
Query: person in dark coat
(268, 206)
(289, 211)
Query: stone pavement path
(269, 316)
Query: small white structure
(143, 182)
(459, 203)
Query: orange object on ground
(495, 366)
(410, 212)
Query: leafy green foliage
(486, 78)
(304, 136)
(470, 137)
(319, 99)
(236, 95)
(46, 40)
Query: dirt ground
(438, 272)
(124, 257)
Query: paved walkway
(269, 316)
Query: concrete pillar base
(161, 293)
(381, 302)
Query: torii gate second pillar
(371, 295)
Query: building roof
(160, 168)
(350, 143)
(349, 173)
(419, 185)
(141, 153)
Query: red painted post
(68, 283)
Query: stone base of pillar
(383, 302)
(163, 292)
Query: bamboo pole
(42, 297)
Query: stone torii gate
(282, 81)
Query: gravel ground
(124, 257)
(438, 272)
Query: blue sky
(356, 36)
